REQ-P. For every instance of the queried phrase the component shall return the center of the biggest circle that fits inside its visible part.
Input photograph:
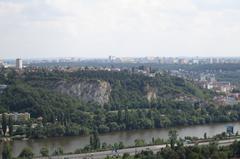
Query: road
(131, 151)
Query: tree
(139, 142)
(10, 126)
(172, 134)
(120, 116)
(126, 155)
(126, 118)
(44, 152)
(4, 124)
(193, 155)
(91, 141)
(26, 153)
(7, 151)
(205, 135)
(120, 145)
(57, 152)
(95, 141)
(235, 148)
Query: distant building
(195, 61)
(111, 58)
(210, 86)
(223, 87)
(19, 64)
(183, 61)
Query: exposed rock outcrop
(86, 90)
(151, 93)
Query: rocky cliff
(151, 93)
(86, 90)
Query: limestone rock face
(86, 90)
(151, 93)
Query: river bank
(70, 144)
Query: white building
(19, 64)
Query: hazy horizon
(122, 28)
(107, 57)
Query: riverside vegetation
(195, 152)
(131, 101)
(175, 148)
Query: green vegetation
(127, 109)
(95, 141)
(173, 137)
(180, 152)
(6, 152)
(26, 153)
(44, 152)
(4, 124)
(176, 150)
(195, 152)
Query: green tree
(4, 124)
(7, 151)
(172, 134)
(26, 153)
(91, 141)
(95, 141)
(126, 156)
(193, 155)
(139, 142)
(126, 118)
(235, 148)
(58, 152)
(120, 116)
(44, 151)
(205, 135)
(120, 145)
(10, 126)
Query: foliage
(44, 152)
(172, 137)
(212, 151)
(7, 151)
(58, 152)
(95, 141)
(128, 108)
(26, 153)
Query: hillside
(58, 90)
(115, 88)
(79, 102)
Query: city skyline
(136, 28)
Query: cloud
(10, 8)
(119, 27)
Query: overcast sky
(99, 28)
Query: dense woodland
(128, 108)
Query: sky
(123, 28)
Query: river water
(70, 144)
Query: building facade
(19, 64)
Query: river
(70, 144)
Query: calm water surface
(70, 144)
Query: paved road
(131, 151)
